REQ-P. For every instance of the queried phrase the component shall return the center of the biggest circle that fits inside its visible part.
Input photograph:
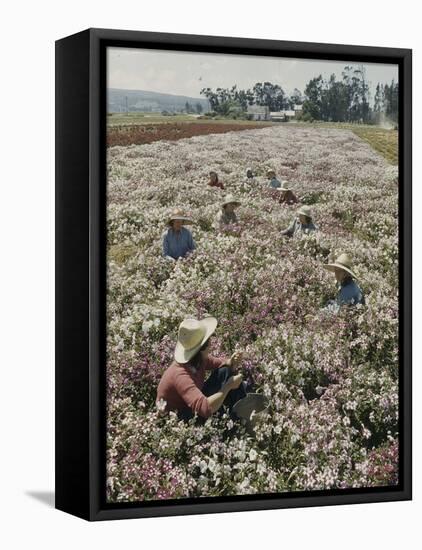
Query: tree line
(386, 100)
(333, 100)
(226, 100)
(348, 99)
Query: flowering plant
(332, 380)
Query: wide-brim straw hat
(252, 403)
(305, 210)
(283, 187)
(231, 200)
(192, 336)
(178, 214)
(343, 262)
(282, 182)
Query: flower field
(332, 380)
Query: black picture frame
(80, 271)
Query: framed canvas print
(233, 274)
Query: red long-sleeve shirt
(180, 387)
(288, 198)
(217, 183)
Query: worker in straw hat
(286, 195)
(227, 215)
(214, 180)
(183, 387)
(274, 182)
(249, 174)
(349, 292)
(302, 224)
(177, 240)
(249, 181)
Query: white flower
(161, 405)
(243, 487)
(146, 325)
(252, 455)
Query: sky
(186, 73)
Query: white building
(282, 115)
(286, 114)
(258, 112)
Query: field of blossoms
(332, 380)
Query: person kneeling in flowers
(250, 175)
(227, 215)
(249, 181)
(349, 292)
(302, 224)
(274, 182)
(214, 181)
(177, 240)
(183, 387)
(286, 195)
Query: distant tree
(313, 102)
(270, 95)
(223, 95)
(295, 98)
(212, 98)
(227, 102)
(242, 99)
(391, 100)
(334, 100)
(364, 94)
(378, 99)
(198, 108)
(357, 93)
(345, 100)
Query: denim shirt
(350, 294)
(177, 244)
(274, 183)
(296, 228)
(226, 218)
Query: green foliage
(222, 100)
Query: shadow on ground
(45, 497)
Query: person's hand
(234, 381)
(235, 360)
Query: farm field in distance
(383, 140)
(148, 133)
(135, 119)
(139, 128)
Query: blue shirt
(274, 183)
(177, 244)
(350, 294)
(296, 228)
